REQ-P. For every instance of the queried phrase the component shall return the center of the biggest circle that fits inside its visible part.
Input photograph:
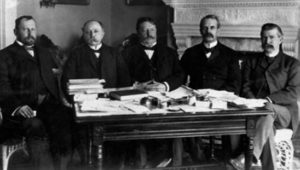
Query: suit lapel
(21, 52)
(108, 61)
(46, 67)
(262, 62)
(91, 57)
(276, 62)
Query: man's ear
(15, 32)
(281, 39)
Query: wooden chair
(10, 146)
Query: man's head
(271, 38)
(93, 32)
(209, 26)
(25, 30)
(146, 29)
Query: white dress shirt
(210, 45)
(29, 49)
(97, 47)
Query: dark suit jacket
(82, 63)
(15, 85)
(220, 71)
(163, 66)
(282, 77)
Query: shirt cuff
(269, 100)
(14, 112)
(167, 86)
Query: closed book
(128, 94)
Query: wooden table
(171, 125)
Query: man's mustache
(269, 46)
(208, 35)
(150, 36)
(30, 38)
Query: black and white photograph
(149, 84)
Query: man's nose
(30, 32)
(91, 34)
(269, 41)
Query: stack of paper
(88, 86)
(219, 94)
(249, 103)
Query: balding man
(94, 59)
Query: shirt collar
(211, 45)
(274, 54)
(22, 44)
(97, 47)
(150, 45)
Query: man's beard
(29, 41)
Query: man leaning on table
(211, 65)
(94, 59)
(274, 76)
(153, 66)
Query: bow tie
(208, 50)
(96, 51)
(148, 48)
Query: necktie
(96, 51)
(208, 50)
(30, 50)
(148, 48)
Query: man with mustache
(30, 100)
(152, 65)
(212, 65)
(274, 76)
(155, 67)
(94, 59)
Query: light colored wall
(124, 19)
(62, 24)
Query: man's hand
(156, 86)
(25, 111)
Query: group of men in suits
(32, 104)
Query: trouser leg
(37, 143)
(264, 144)
(58, 123)
(268, 156)
(264, 129)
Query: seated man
(30, 100)
(152, 66)
(213, 65)
(274, 76)
(94, 59)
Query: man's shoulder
(79, 47)
(10, 48)
(290, 59)
(196, 47)
(9, 51)
(225, 48)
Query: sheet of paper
(180, 92)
